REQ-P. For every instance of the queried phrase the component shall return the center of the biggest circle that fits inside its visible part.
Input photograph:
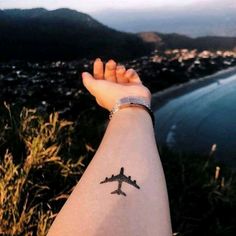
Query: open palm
(112, 83)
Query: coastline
(161, 98)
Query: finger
(120, 74)
(98, 70)
(110, 71)
(132, 76)
(89, 82)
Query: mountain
(64, 34)
(204, 18)
(172, 41)
(39, 34)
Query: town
(57, 86)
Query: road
(197, 120)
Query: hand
(113, 84)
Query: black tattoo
(120, 178)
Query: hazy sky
(93, 5)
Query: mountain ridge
(199, 19)
(39, 34)
(174, 40)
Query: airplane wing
(111, 179)
(121, 178)
(129, 181)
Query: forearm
(92, 210)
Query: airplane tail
(119, 192)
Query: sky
(94, 5)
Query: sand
(161, 98)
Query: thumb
(89, 82)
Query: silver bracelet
(141, 102)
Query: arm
(129, 143)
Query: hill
(172, 41)
(193, 18)
(65, 34)
(39, 34)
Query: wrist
(131, 102)
(131, 117)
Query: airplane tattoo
(120, 178)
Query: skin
(117, 80)
(91, 209)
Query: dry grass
(202, 194)
(35, 183)
(23, 207)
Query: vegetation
(41, 159)
(34, 187)
(202, 194)
(62, 34)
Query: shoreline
(160, 98)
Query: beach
(162, 97)
(195, 116)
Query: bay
(199, 119)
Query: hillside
(171, 41)
(64, 34)
(39, 34)
(195, 18)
